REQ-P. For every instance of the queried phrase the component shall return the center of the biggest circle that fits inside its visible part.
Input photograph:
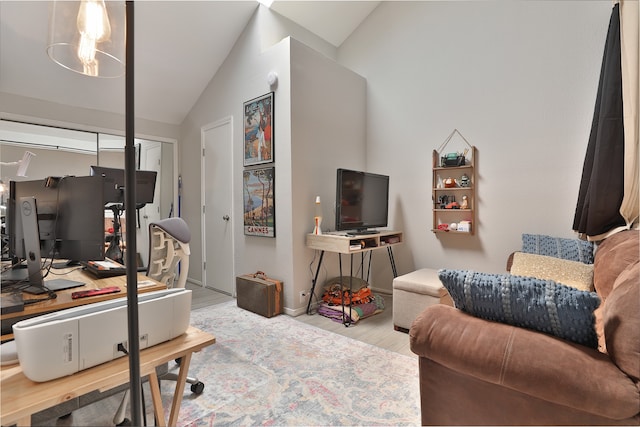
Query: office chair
(168, 263)
(169, 246)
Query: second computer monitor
(70, 218)
(114, 185)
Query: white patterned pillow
(570, 273)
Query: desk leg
(315, 281)
(177, 395)
(392, 261)
(350, 291)
(158, 410)
(26, 421)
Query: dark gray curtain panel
(602, 186)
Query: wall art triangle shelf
(454, 187)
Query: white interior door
(217, 217)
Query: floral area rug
(279, 371)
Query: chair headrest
(175, 227)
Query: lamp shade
(88, 36)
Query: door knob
(226, 217)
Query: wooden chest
(259, 294)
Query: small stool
(412, 293)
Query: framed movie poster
(258, 130)
(258, 187)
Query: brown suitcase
(259, 294)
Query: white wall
(263, 47)
(328, 114)
(517, 79)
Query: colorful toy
(450, 183)
(465, 203)
(453, 205)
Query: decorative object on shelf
(443, 201)
(317, 219)
(453, 205)
(453, 177)
(258, 202)
(452, 159)
(465, 202)
(258, 130)
(464, 226)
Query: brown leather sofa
(478, 372)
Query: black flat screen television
(362, 201)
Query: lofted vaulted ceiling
(179, 47)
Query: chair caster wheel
(197, 388)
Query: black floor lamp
(130, 206)
(89, 37)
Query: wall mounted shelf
(454, 189)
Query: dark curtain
(602, 185)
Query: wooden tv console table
(341, 242)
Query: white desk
(64, 299)
(22, 397)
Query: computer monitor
(114, 188)
(68, 222)
(114, 185)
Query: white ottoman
(412, 293)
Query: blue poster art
(258, 202)
(258, 130)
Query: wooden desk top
(22, 397)
(340, 242)
(64, 300)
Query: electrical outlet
(118, 350)
(303, 296)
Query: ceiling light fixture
(94, 44)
